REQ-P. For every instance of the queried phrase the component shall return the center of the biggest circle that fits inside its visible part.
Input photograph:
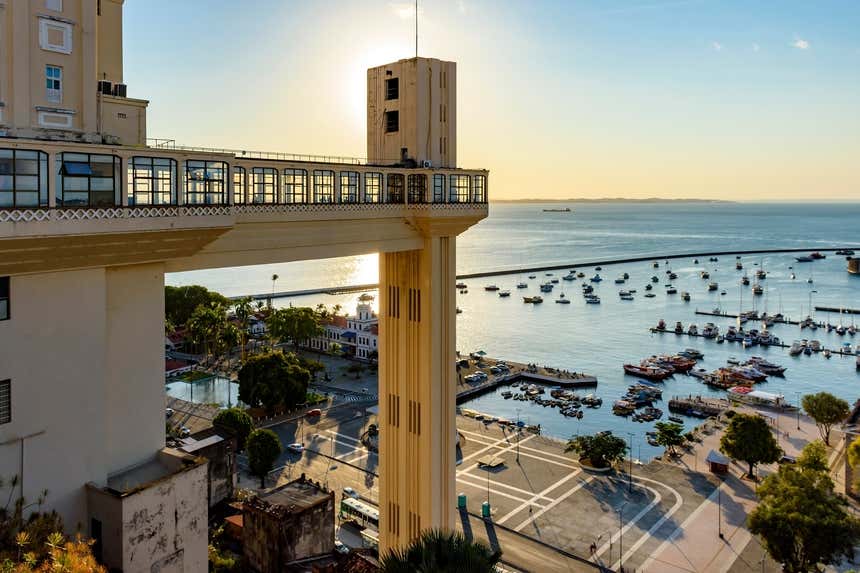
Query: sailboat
(809, 280)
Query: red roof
(338, 321)
(374, 329)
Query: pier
(727, 315)
(310, 291)
(838, 352)
(698, 407)
(837, 310)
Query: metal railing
(158, 143)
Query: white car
(349, 492)
(184, 432)
(169, 412)
(340, 547)
(296, 447)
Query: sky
(736, 100)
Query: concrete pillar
(417, 390)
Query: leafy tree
(207, 326)
(263, 447)
(244, 310)
(273, 379)
(180, 302)
(441, 552)
(748, 438)
(600, 449)
(814, 457)
(800, 518)
(237, 422)
(669, 435)
(826, 409)
(295, 324)
(335, 349)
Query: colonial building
(356, 335)
(93, 214)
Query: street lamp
(518, 435)
(620, 511)
(720, 509)
(630, 473)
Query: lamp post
(518, 435)
(620, 536)
(630, 473)
(720, 509)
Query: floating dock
(837, 310)
(780, 345)
(698, 407)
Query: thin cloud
(463, 7)
(756, 47)
(646, 7)
(404, 10)
(718, 47)
(800, 44)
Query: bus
(360, 512)
(370, 539)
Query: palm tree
(442, 552)
(244, 310)
(275, 277)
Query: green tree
(600, 449)
(295, 324)
(441, 552)
(802, 521)
(237, 422)
(263, 447)
(180, 302)
(813, 457)
(207, 326)
(273, 379)
(669, 435)
(749, 438)
(244, 311)
(827, 410)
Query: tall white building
(357, 335)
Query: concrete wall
(53, 351)
(164, 527)
(86, 370)
(134, 358)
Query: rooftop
(293, 497)
(165, 463)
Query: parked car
(184, 432)
(314, 412)
(349, 492)
(340, 547)
(296, 447)
(169, 412)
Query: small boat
(620, 281)
(507, 394)
(816, 255)
(626, 276)
(679, 328)
(462, 285)
(691, 353)
(671, 290)
(661, 325)
(650, 295)
(713, 286)
(705, 274)
(587, 289)
(676, 419)
(739, 265)
(655, 279)
(598, 268)
(757, 289)
(522, 285)
(792, 276)
(562, 300)
(569, 277)
(546, 287)
(593, 299)
(627, 296)
(504, 293)
(721, 339)
(804, 259)
(459, 310)
(554, 281)
(745, 280)
(672, 276)
(580, 275)
(685, 296)
(491, 288)
(648, 286)
(655, 265)
(532, 276)
(595, 279)
(533, 299)
(826, 352)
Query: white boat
(685, 296)
(522, 285)
(504, 293)
(594, 299)
(796, 348)
(713, 286)
(595, 279)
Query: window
(417, 184)
(54, 84)
(438, 188)
(295, 186)
(459, 189)
(55, 36)
(23, 178)
(392, 88)
(264, 185)
(372, 187)
(5, 401)
(395, 188)
(323, 186)
(88, 180)
(392, 121)
(238, 185)
(151, 181)
(55, 5)
(205, 182)
(349, 186)
(480, 188)
(4, 298)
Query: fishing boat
(546, 287)
(804, 259)
(491, 288)
(713, 286)
(522, 285)
(757, 289)
(620, 280)
(648, 287)
(816, 256)
(676, 419)
(592, 299)
(595, 279)
(462, 285)
(569, 277)
(739, 265)
(562, 300)
(679, 328)
(650, 295)
(691, 353)
(647, 372)
(655, 279)
(504, 293)
(532, 299)
(705, 275)
(532, 276)
(685, 296)
(671, 290)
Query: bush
(263, 447)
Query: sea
(598, 339)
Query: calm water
(598, 339)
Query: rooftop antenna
(416, 29)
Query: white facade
(357, 335)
